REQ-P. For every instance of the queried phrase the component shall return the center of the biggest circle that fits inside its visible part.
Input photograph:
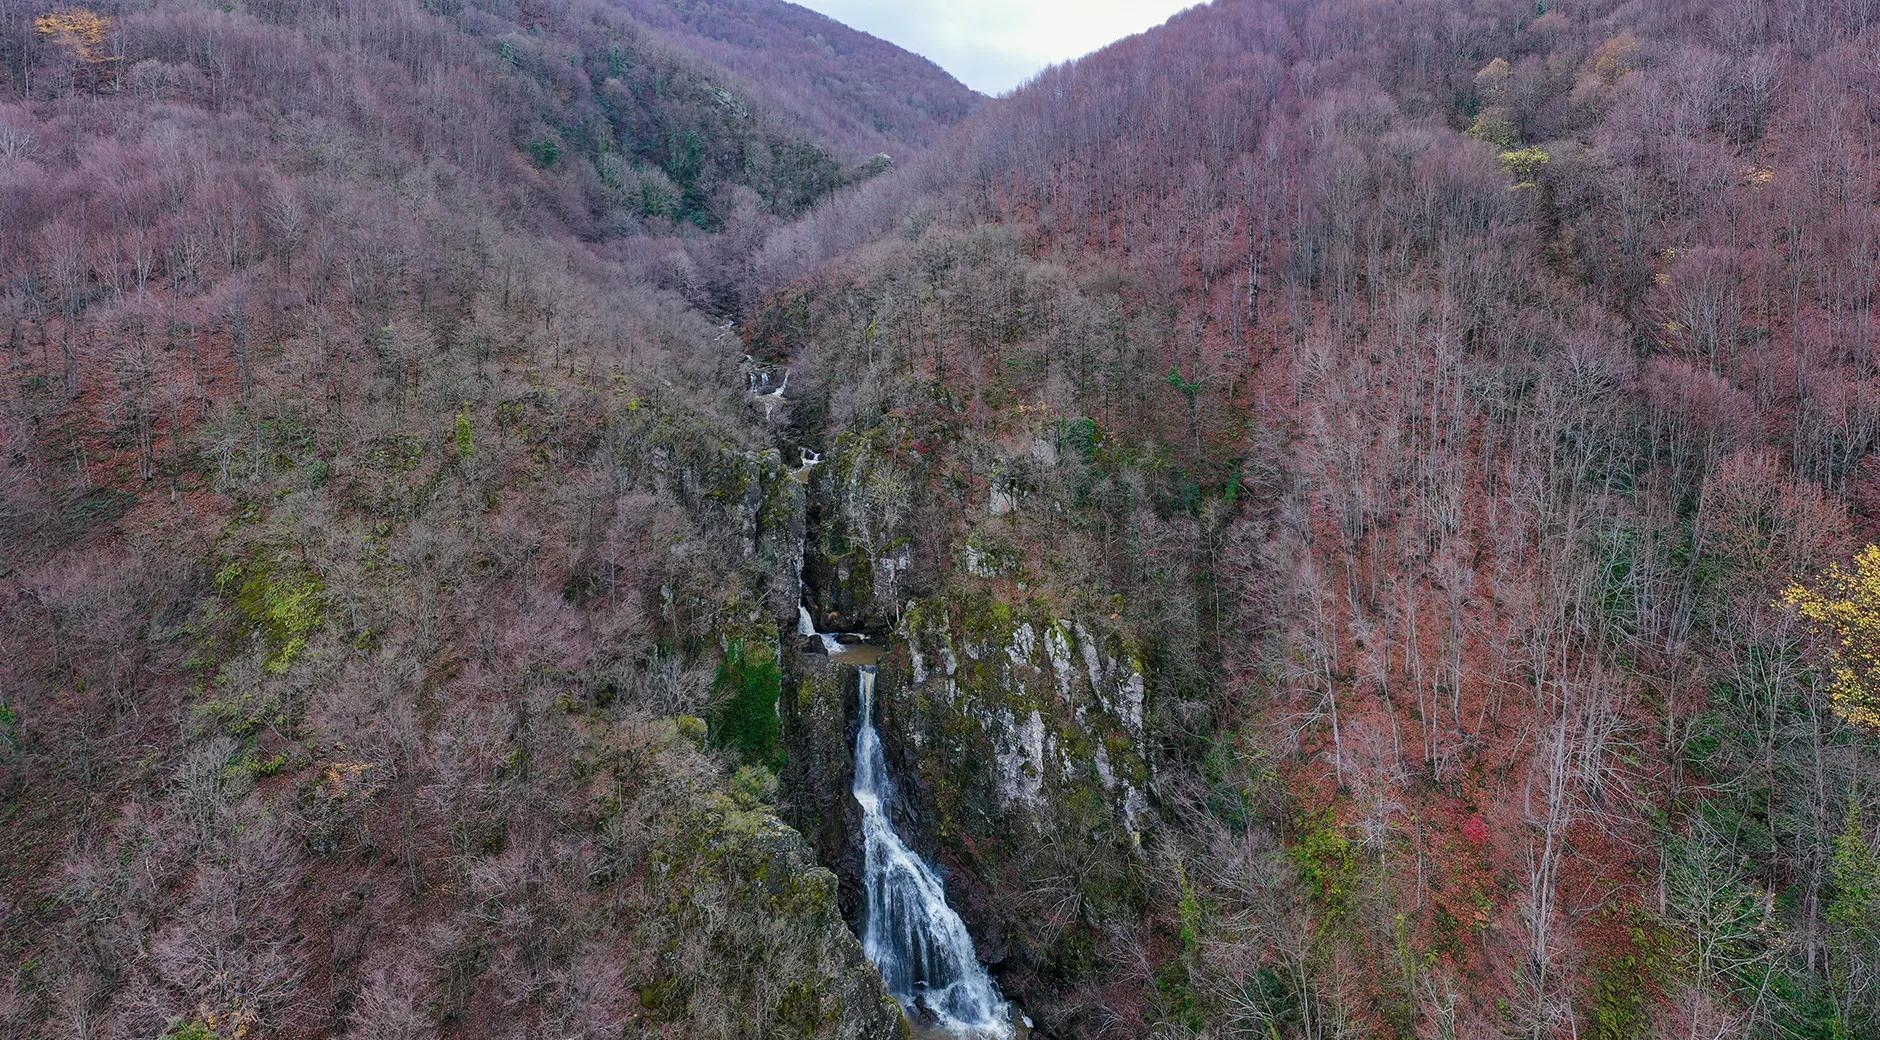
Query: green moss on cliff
(1031, 769)
(749, 685)
(786, 943)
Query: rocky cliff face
(752, 940)
(1026, 732)
(819, 717)
(860, 561)
(1017, 732)
(1031, 712)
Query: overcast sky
(993, 45)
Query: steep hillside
(1385, 436)
(846, 86)
(382, 525)
(1358, 506)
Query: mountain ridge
(883, 97)
(1232, 344)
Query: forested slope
(377, 503)
(1351, 494)
(846, 85)
(1437, 402)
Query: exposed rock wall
(1030, 712)
(748, 908)
(1014, 726)
(861, 556)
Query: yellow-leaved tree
(86, 33)
(77, 28)
(1846, 604)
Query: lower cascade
(921, 946)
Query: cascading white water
(921, 946)
(806, 626)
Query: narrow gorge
(921, 947)
(908, 930)
(682, 520)
(917, 683)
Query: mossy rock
(743, 891)
(279, 601)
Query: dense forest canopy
(1368, 508)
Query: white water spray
(921, 946)
(757, 380)
(807, 627)
(760, 385)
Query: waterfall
(919, 943)
(806, 626)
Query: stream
(919, 944)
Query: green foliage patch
(1622, 991)
(465, 435)
(193, 1029)
(749, 685)
(282, 605)
(1525, 164)
(544, 151)
(1327, 861)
